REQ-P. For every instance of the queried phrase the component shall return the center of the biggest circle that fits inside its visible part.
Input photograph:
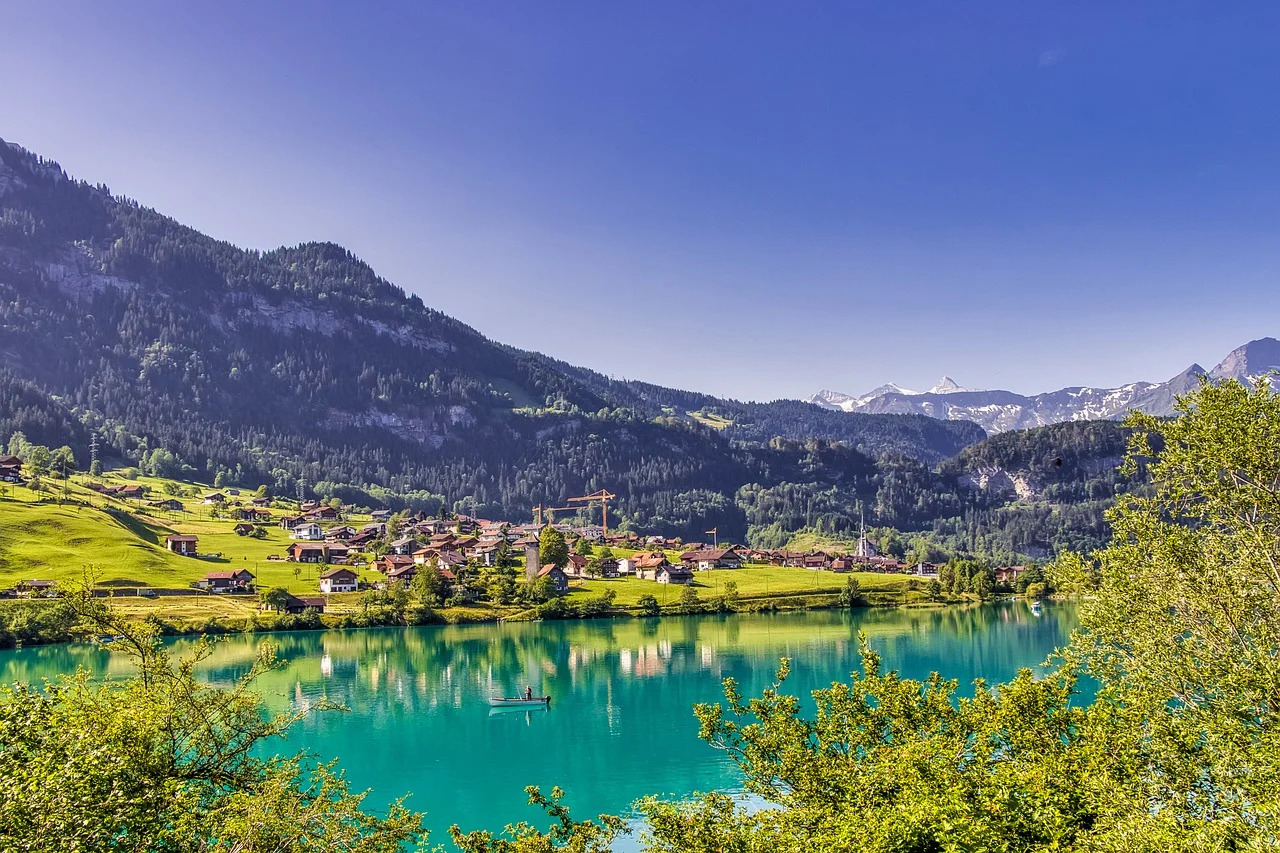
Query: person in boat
(528, 692)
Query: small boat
(520, 702)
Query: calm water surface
(620, 724)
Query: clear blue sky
(751, 199)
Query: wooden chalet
(713, 558)
(339, 579)
(674, 574)
(10, 469)
(183, 544)
(559, 580)
(238, 580)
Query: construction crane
(540, 509)
(603, 496)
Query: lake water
(620, 724)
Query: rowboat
(521, 702)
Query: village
(344, 551)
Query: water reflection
(620, 724)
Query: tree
(851, 595)
(39, 459)
(690, 601)
(429, 585)
(934, 589)
(63, 460)
(19, 446)
(552, 550)
(276, 598)
(164, 761)
(95, 468)
(731, 595)
(648, 605)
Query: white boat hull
(535, 702)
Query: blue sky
(751, 199)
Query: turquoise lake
(620, 723)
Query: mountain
(998, 411)
(302, 369)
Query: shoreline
(269, 622)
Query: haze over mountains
(1000, 411)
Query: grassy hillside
(119, 543)
(122, 542)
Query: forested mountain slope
(301, 368)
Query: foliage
(851, 595)
(162, 762)
(552, 549)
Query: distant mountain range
(1000, 411)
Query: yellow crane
(603, 496)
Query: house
(36, 589)
(609, 567)
(559, 580)
(626, 566)
(391, 562)
(925, 570)
(843, 564)
(323, 513)
(817, 561)
(673, 574)
(10, 469)
(382, 515)
(169, 505)
(577, 566)
(338, 580)
(183, 544)
(403, 572)
(591, 533)
(307, 552)
(131, 492)
(361, 540)
(713, 558)
(253, 513)
(404, 545)
(318, 552)
(261, 502)
(244, 528)
(341, 533)
(647, 564)
(214, 498)
(1009, 574)
(238, 580)
(291, 521)
(300, 604)
(310, 531)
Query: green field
(120, 543)
(752, 581)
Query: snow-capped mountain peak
(997, 411)
(947, 385)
